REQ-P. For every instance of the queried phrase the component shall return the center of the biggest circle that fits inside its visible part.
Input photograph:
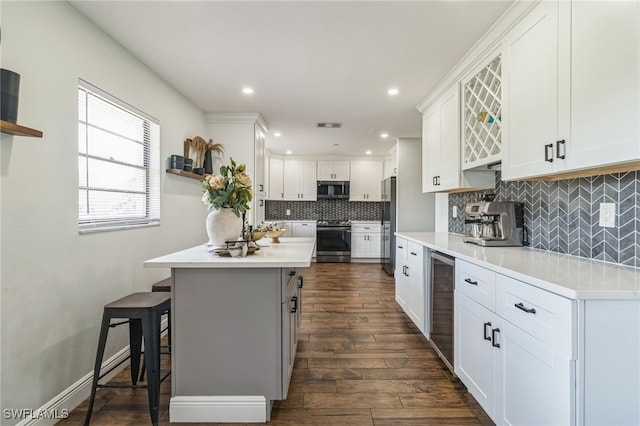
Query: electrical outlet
(455, 211)
(607, 215)
(288, 212)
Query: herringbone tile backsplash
(563, 215)
(327, 209)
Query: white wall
(55, 281)
(416, 211)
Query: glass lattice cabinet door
(482, 116)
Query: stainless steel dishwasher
(442, 286)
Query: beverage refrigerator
(388, 240)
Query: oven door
(333, 244)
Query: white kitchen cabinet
(365, 240)
(572, 101)
(243, 137)
(333, 170)
(300, 182)
(401, 277)
(441, 161)
(476, 358)
(276, 179)
(303, 229)
(533, 376)
(366, 178)
(259, 214)
(260, 181)
(410, 282)
(515, 348)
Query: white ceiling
(308, 61)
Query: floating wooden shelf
(185, 174)
(17, 130)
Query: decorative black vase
(9, 91)
(208, 163)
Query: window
(118, 163)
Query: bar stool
(165, 286)
(161, 286)
(143, 312)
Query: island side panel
(227, 332)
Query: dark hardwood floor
(360, 361)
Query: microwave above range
(333, 189)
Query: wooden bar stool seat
(143, 312)
(164, 285)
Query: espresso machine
(495, 223)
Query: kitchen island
(234, 329)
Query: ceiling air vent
(329, 125)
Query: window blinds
(118, 163)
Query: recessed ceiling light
(384, 135)
(289, 152)
(368, 152)
(247, 90)
(277, 134)
(393, 91)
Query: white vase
(223, 225)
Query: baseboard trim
(75, 394)
(219, 409)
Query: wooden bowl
(275, 234)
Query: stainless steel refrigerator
(388, 240)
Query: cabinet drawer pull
(494, 337)
(292, 273)
(486, 335)
(470, 281)
(546, 152)
(558, 155)
(414, 253)
(524, 308)
(400, 247)
(294, 299)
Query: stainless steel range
(333, 241)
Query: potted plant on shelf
(228, 196)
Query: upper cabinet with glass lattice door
(482, 116)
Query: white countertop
(568, 276)
(290, 252)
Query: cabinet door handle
(261, 187)
(486, 335)
(294, 299)
(282, 195)
(524, 308)
(261, 203)
(414, 253)
(400, 247)
(494, 337)
(434, 181)
(546, 152)
(300, 281)
(470, 281)
(564, 150)
(407, 270)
